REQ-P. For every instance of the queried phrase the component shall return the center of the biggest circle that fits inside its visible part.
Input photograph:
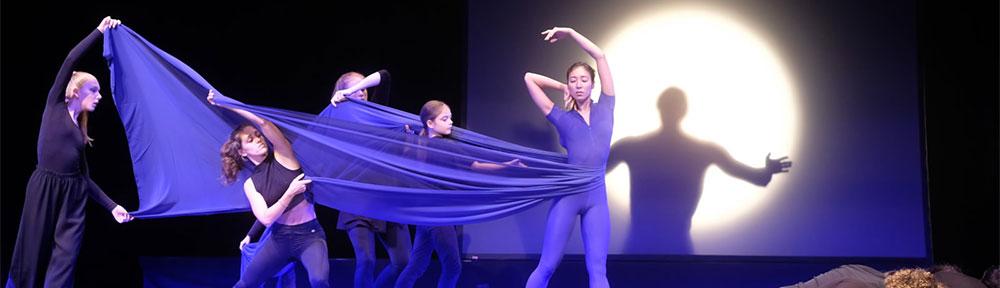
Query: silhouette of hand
(779, 165)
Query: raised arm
(371, 80)
(58, 90)
(267, 215)
(382, 90)
(603, 70)
(282, 148)
(536, 83)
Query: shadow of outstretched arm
(757, 176)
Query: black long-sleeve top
(61, 142)
(381, 95)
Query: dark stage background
(289, 55)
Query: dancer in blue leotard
(585, 132)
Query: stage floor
(494, 273)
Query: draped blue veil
(357, 155)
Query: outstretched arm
(535, 84)
(371, 80)
(603, 70)
(494, 166)
(282, 148)
(757, 176)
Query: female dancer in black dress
(51, 231)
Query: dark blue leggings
(444, 239)
(304, 242)
(396, 240)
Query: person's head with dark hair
(245, 141)
(579, 82)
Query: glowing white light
(739, 96)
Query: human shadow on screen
(667, 168)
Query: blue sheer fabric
(174, 136)
(359, 159)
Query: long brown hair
(232, 161)
(432, 109)
(75, 82)
(586, 67)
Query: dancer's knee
(365, 263)
(365, 257)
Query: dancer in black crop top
(51, 231)
(278, 197)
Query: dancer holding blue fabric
(585, 132)
(278, 196)
(436, 119)
(403, 195)
(51, 230)
(437, 123)
(363, 230)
